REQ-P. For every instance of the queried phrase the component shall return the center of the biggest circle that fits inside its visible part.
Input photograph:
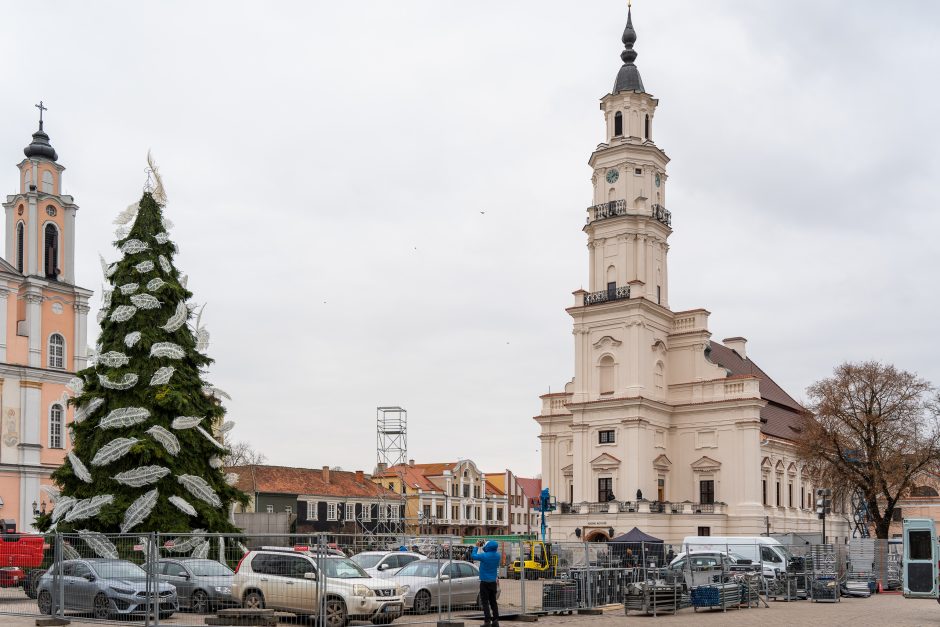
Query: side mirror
(90, 577)
(445, 577)
(384, 566)
(310, 575)
(185, 576)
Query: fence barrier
(145, 579)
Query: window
(350, 511)
(439, 513)
(790, 494)
(383, 512)
(605, 489)
(660, 489)
(269, 509)
(47, 182)
(705, 531)
(618, 124)
(453, 489)
(646, 128)
(51, 211)
(918, 545)
(51, 251)
(763, 491)
(768, 555)
(391, 486)
(605, 437)
(312, 507)
(706, 488)
(659, 295)
(289, 509)
(606, 367)
(172, 569)
(466, 490)
(19, 246)
(56, 351)
(777, 492)
(331, 511)
(56, 414)
(366, 514)
(476, 491)
(395, 512)
(638, 171)
(499, 513)
(454, 512)
(427, 511)
(476, 513)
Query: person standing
(489, 559)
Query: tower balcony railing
(605, 296)
(616, 208)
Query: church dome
(40, 146)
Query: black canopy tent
(641, 546)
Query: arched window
(20, 228)
(51, 250)
(56, 423)
(646, 128)
(618, 124)
(659, 379)
(47, 182)
(923, 490)
(56, 351)
(606, 368)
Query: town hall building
(661, 427)
(43, 331)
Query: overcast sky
(327, 162)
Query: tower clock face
(657, 179)
(612, 176)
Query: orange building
(42, 331)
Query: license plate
(391, 608)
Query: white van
(759, 549)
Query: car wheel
(336, 613)
(253, 600)
(102, 606)
(422, 602)
(165, 615)
(31, 583)
(199, 602)
(45, 602)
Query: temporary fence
(337, 579)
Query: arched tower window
(56, 351)
(47, 182)
(618, 124)
(56, 423)
(646, 128)
(51, 248)
(20, 237)
(606, 368)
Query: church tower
(43, 330)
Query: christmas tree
(146, 451)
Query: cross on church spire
(41, 109)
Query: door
(300, 593)
(79, 591)
(176, 574)
(920, 558)
(469, 583)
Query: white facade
(654, 405)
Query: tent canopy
(635, 535)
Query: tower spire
(40, 146)
(628, 78)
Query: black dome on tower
(40, 146)
(628, 78)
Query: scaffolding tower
(391, 436)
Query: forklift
(537, 555)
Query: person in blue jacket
(489, 559)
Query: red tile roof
(413, 476)
(257, 478)
(532, 488)
(783, 416)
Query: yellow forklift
(540, 561)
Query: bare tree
(875, 429)
(242, 454)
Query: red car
(12, 577)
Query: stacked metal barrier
(825, 573)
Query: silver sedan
(433, 583)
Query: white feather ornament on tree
(106, 298)
(162, 375)
(231, 478)
(144, 267)
(178, 319)
(181, 544)
(127, 215)
(113, 451)
(88, 507)
(131, 338)
(76, 384)
(165, 265)
(215, 461)
(202, 339)
(145, 301)
(167, 224)
(184, 280)
(183, 505)
(99, 543)
(201, 552)
(122, 231)
(198, 487)
(127, 381)
(79, 468)
(167, 349)
(129, 288)
(164, 437)
(51, 491)
(155, 284)
(139, 510)
(162, 238)
(134, 246)
(113, 359)
(123, 313)
(185, 422)
(86, 410)
(102, 314)
(159, 193)
(209, 437)
(69, 552)
(216, 392)
(104, 266)
(221, 550)
(226, 426)
(124, 417)
(63, 505)
(139, 477)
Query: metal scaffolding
(391, 436)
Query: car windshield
(117, 569)
(367, 560)
(737, 557)
(341, 568)
(209, 568)
(421, 568)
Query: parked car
(296, 581)
(433, 582)
(378, 563)
(106, 588)
(202, 585)
(12, 577)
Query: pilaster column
(34, 325)
(4, 304)
(32, 235)
(580, 471)
(80, 341)
(68, 258)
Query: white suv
(296, 581)
(385, 563)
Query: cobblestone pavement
(886, 610)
